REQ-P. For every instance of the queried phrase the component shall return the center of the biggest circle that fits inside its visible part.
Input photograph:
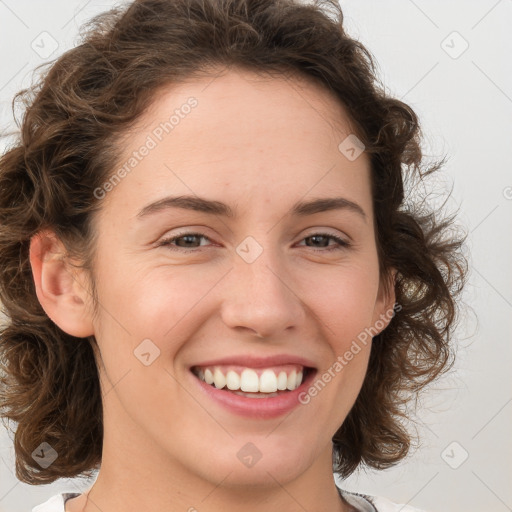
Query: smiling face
(265, 277)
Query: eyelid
(328, 231)
(340, 241)
(182, 231)
(201, 231)
(166, 239)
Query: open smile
(261, 392)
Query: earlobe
(60, 293)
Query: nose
(262, 297)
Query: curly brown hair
(68, 144)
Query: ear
(61, 289)
(385, 303)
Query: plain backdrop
(451, 62)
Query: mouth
(259, 391)
(253, 382)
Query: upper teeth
(248, 380)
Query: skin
(259, 145)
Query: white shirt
(362, 502)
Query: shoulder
(367, 503)
(55, 503)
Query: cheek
(143, 304)
(145, 320)
(345, 312)
(140, 319)
(345, 302)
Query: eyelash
(342, 244)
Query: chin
(260, 462)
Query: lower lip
(262, 408)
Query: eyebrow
(199, 204)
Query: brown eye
(323, 239)
(183, 241)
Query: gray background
(463, 97)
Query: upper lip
(251, 361)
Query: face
(242, 283)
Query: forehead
(240, 97)
(241, 134)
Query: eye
(324, 238)
(184, 241)
(187, 242)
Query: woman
(217, 292)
